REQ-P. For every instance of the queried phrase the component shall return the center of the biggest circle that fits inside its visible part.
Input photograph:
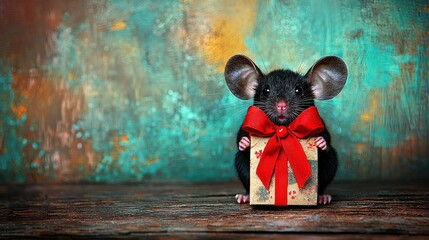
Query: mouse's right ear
(242, 76)
(327, 77)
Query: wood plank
(207, 209)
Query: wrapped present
(259, 195)
(283, 160)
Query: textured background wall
(134, 90)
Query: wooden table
(208, 210)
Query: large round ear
(242, 76)
(327, 77)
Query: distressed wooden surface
(187, 210)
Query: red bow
(283, 147)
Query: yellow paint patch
(366, 117)
(218, 29)
(224, 42)
(119, 25)
(374, 107)
(71, 76)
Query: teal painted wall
(134, 90)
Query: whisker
(259, 55)
(300, 68)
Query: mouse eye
(266, 91)
(298, 91)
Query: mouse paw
(242, 198)
(321, 143)
(244, 143)
(325, 199)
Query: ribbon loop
(282, 148)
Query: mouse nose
(281, 105)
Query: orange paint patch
(53, 108)
(414, 147)
(360, 147)
(82, 160)
(117, 148)
(19, 111)
(53, 18)
(125, 138)
(119, 25)
(150, 161)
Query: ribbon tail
(298, 161)
(281, 181)
(267, 164)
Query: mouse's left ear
(242, 76)
(327, 77)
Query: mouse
(282, 95)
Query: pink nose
(281, 105)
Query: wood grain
(187, 210)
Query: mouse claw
(321, 143)
(244, 143)
(325, 199)
(242, 198)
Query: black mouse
(282, 95)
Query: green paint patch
(133, 97)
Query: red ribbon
(283, 147)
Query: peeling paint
(128, 91)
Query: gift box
(307, 195)
(283, 159)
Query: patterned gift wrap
(307, 195)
